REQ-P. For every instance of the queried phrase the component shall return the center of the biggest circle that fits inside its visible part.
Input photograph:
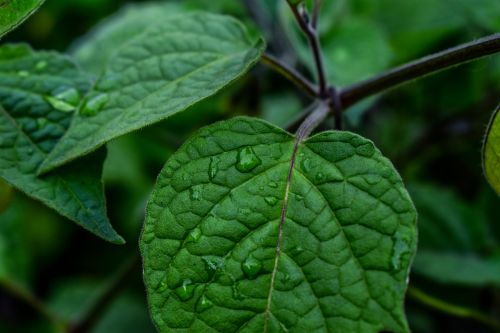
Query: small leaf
(491, 152)
(14, 12)
(318, 236)
(37, 92)
(164, 70)
(449, 268)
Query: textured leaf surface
(159, 73)
(246, 234)
(491, 152)
(449, 268)
(95, 49)
(14, 12)
(39, 92)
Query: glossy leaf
(94, 50)
(491, 152)
(246, 233)
(39, 92)
(161, 72)
(14, 12)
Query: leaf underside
(160, 72)
(14, 12)
(36, 89)
(248, 232)
(491, 152)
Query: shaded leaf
(460, 269)
(161, 72)
(14, 12)
(94, 50)
(246, 233)
(38, 92)
(491, 152)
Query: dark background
(431, 129)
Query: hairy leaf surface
(159, 73)
(491, 152)
(39, 92)
(95, 49)
(14, 12)
(247, 231)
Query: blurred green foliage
(431, 129)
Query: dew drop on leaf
(213, 264)
(251, 267)
(64, 99)
(195, 194)
(185, 291)
(163, 285)
(299, 197)
(320, 177)
(271, 201)
(237, 293)
(245, 211)
(247, 160)
(94, 105)
(194, 235)
(400, 248)
(203, 304)
(213, 168)
(273, 185)
(306, 165)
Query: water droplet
(320, 177)
(213, 264)
(306, 165)
(271, 201)
(185, 291)
(245, 211)
(247, 160)
(285, 278)
(64, 99)
(213, 168)
(251, 267)
(400, 248)
(297, 250)
(194, 236)
(163, 285)
(261, 188)
(195, 194)
(94, 105)
(298, 197)
(41, 65)
(273, 185)
(237, 293)
(23, 73)
(203, 304)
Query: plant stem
(420, 68)
(315, 118)
(307, 26)
(290, 73)
(451, 309)
(24, 295)
(115, 286)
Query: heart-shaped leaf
(162, 71)
(250, 231)
(14, 12)
(491, 152)
(39, 92)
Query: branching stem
(291, 74)
(308, 27)
(420, 68)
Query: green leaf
(449, 268)
(491, 152)
(163, 71)
(94, 50)
(38, 93)
(14, 12)
(247, 231)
